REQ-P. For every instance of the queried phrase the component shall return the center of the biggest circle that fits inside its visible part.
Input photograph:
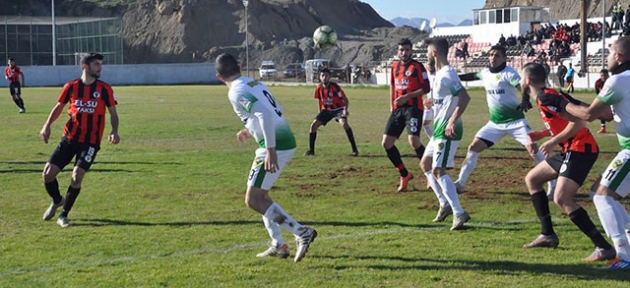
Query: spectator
(465, 49)
(570, 74)
(502, 39)
(561, 72)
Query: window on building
(514, 16)
(492, 16)
(483, 17)
(506, 16)
(499, 16)
(476, 18)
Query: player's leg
(257, 198)
(615, 185)
(18, 95)
(322, 118)
(343, 121)
(573, 172)
(393, 129)
(484, 139)
(61, 156)
(84, 159)
(413, 118)
(535, 180)
(443, 158)
(426, 164)
(521, 134)
(602, 128)
(13, 92)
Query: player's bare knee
(438, 172)
(425, 164)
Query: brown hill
(559, 9)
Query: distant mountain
(417, 22)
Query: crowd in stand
(563, 35)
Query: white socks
(274, 232)
(436, 189)
(613, 222)
(278, 216)
(450, 192)
(469, 165)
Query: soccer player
(89, 97)
(333, 104)
(408, 83)
(570, 167)
(449, 102)
(264, 121)
(506, 113)
(599, 84)
(614, 182)
(570, 75)
(13, 73)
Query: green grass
(165, 207)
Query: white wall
(141, 74)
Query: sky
(452, 11)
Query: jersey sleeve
(242, 100)
(514, 78)
(453, 83)
(423, 76)
(610, 94)
(66, 92)
(318, 91)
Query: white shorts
(427, 115)
(615, 176)
(494, 132)
(442, 151)
(262, 179)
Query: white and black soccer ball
(324, 37)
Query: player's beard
(94, 74)
(431, 64)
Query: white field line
(130, 259)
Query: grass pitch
(165, 207)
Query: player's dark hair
(622, 46)
(439, 44)
(226, 65)
(11, 59)
(405, 41)
(89, 58)
(605, 71)
(535, 72)
(499, 48)
(325, 70)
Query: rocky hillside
(162, 31)
(559, 9)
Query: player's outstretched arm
(597, 110)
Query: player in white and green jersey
(264, 121)
(506, 114)
(614, 183)
(449, 100)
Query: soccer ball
(324, 37)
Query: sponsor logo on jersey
(496, 91)
(85, 106)
(96, 94)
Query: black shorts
(15, 88)
(326, 115)
(67, 149)
(405, 116)
(573, 165)
(569, 79)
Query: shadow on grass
(97, 162)
(96, 222)
(68, 168)
(514, 268)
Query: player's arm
(462, 103)
(597, 110)
(23, 79)
(44, 134)
(113, 138)
(392, 91)
(265, 117)
(470, 76)
(574, 126)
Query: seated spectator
(502, 41)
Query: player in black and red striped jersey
(333, 104)
(571, 166)
(89, 99)
(409, 81)
(13, 73)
